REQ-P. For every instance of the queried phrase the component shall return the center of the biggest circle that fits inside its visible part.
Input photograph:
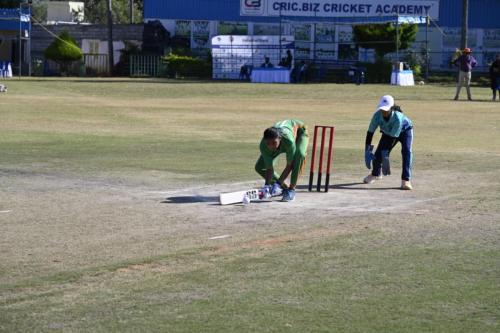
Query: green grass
(433, 269)
(352, 283)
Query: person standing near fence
(495, 77)
(465, 63)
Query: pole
(314, 42)
(397, 41)
(279, 58)
(465, 23)
(20, 39)
(427, 47)
(111, 61)
(131, 11)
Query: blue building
(15, 28)
(323, 28)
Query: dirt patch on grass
(57, 223)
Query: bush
(63, 51)
(185, 66)
(483, 81)
(378, 72)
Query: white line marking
(5, 211)
(220, 237)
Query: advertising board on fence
(230, 52)
(340, 8)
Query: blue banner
(341, 8)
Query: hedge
(186, 66)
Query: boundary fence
(146, 65)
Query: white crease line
(220, 237)
(5, 211)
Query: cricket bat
(237, 197)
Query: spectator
(282, 63)
(465, 63)
(495, 77)
(289, 59)
(300, 72)
(267, 63)
(245, 72)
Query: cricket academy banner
(340, 8)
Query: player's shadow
(191, 199)
(347, 186)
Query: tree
(96, 11)
(382, 37)
(9, 3)
(63, 50)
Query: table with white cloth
(402, 78)
(270, 75)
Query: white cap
(385, 103)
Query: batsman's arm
(269, 175)
(286, 172)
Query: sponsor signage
(230, 54)
(340, 8)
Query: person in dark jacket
(465, 63)
(495, 78)
(267, 63)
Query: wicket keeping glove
(386, 165)
(369, 156)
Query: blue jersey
(396, 123)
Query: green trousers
(299, 161)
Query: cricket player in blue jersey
(395, 127)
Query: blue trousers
(387, 143)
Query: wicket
(320, 164)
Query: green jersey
(290, 129)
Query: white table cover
(402, 78)
(270, 75)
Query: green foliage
(186, 66)
(382, 37)
(416, 61)
(95, 11)
(378, 72)
(63, 49)
(39, 10)
(9, 3)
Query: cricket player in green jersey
(289, 137)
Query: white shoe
(370, 179)
(406, 185)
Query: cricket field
(110, 222)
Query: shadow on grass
(348, 186)
(191, 199)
